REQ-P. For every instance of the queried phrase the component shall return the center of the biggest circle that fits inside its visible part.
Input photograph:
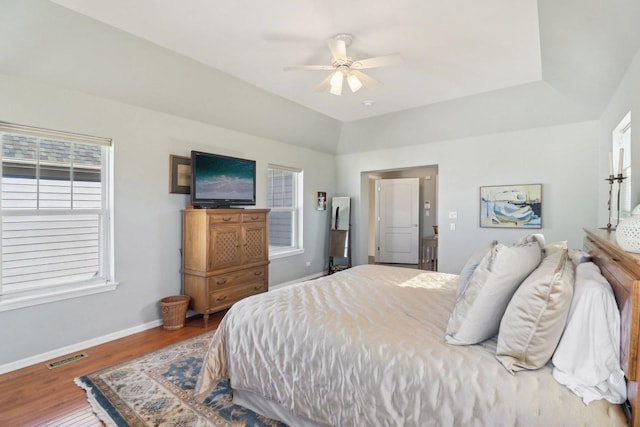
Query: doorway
(428, 201)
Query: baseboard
(293, 282)
(39, 358)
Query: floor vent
(66, 360)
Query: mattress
(366, 347)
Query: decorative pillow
(471, 265)
(477, 313)
(535, 317)
(560, 245)
(587, 359)
(530, 238)
(578, 256)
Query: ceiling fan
(344, 67)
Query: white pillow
(587, 359)
(477, 313)
(471, 265)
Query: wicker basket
(174, 311)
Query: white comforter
(365, 347)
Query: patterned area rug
(157, 389)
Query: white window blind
(56, 210)
(285, 218)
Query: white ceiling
(450, 49)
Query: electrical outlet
(453, 215)
(308, 263)
(452, 226)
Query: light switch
(452, 226)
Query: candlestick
(620, 178)
(611, 180)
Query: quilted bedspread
(366, 347)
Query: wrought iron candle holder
(613, 178)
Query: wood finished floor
(38, 396)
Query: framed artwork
(179, 174)
(511, 206)
(321, 197)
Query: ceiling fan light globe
(336, 83)
(336, 79)
(354, 82)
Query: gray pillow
(477, 313)
(535, 318)
(471, 265)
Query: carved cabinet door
(255, 245)
(225, 246)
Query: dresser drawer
(236, 278)
(254, 217)
(224, 218)
(224, 298)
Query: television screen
(221, 181)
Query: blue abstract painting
(511, 206)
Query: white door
(398, 218)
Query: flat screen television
(220, 181)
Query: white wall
(147, 217)
(562, 158)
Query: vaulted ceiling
(451, 50)
(469, 68)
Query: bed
(366, 346)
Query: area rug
(157, 389)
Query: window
(621, 144)
(56, 216)
(284, 187)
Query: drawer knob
(221, 282)
(221, 298)
(225, 219)
(254, 218)
(257, 288)
(257, 273)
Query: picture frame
(179, 174)
(511, 206)
(321, 197)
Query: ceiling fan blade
(378, 61)
(366, 80)
(338, 50)
(325, 84)
(309, 67)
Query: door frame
(426, 173)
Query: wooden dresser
(225, 257)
